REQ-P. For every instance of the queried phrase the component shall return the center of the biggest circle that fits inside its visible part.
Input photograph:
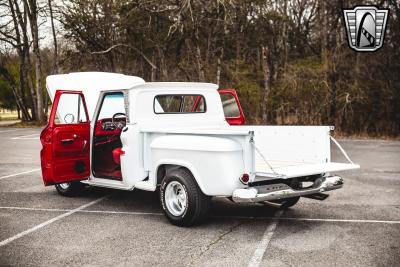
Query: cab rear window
(179, 104)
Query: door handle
(84, 144)
(67, 141)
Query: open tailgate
(300, 169)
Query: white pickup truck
(118, 131)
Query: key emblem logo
(365, 26)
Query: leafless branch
(128, 46)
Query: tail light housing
(244, 179)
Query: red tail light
(244, 178)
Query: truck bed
(293, 151)
(277, 151)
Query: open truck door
(232, 109)
(65, 156)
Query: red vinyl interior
(99, 128)
(105, 142)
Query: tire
(69, 189)
(287, 202)
(183, 203)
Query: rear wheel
(289, 202)
(183, 203)
(69, 189)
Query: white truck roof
(180, 86)
(91, 84)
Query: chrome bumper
(281, 191)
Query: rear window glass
(179, 104)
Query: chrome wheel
(64, 186)
(176, 198)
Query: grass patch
(28, 125)
(8, 117)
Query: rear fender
(171, 164)
(216, 163)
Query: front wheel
(69, 189)
(183, 203)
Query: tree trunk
(266, 72)
(153, 70)
(162, 65)
(20, 25)
(323, 36)
(18, 112)
(324, 60)
(200, 66)
(219, 70)
(32, 14)
(222, 50)
(16, 92)
(53, 30)
(285, 37)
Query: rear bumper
(281, 191)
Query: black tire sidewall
(73, 189)
(165, 182)
(289, 202)
(190, 210)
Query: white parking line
(20, 173)
(224, 217)
(34, 209)
(255, 261)
(124, 212)
(338, 220)
(8, 131)
(37, 227)
(86, 211)
(27, 137)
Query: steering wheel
(119, 124)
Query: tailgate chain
(341, 149)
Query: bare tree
(266, 72)
(32, 12)
(288, 60)
(53, 31)
(14, 32)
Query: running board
(107, 184)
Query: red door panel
(46, 155)
(71, 152)
(65, 155)
(233, 110)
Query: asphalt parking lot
(358, 225)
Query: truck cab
(188, 139)
(84, 139)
